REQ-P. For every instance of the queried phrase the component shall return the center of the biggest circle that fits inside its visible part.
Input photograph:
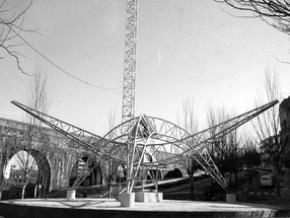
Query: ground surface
(165, 205)
(178, 190)
(89, 207)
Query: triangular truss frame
(149, 142)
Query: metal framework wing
(149, 137)
(84, 139)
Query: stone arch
(120, 173)
(155, 173)
(95, 177)
(44, 171)
(172, 174)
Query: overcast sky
(187, 50)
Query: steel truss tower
(128, 107)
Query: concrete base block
(71, 194)
(149, 197)
(127, 200)
(160, 197)
(231, 198)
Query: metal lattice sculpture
(130, 62)
(149, 142)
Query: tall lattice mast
(128, 107)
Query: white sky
(187, 50)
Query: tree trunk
(278, 185)
(35, 191)
(278, 188)
(287, 179)
(236, 177)
(276, 175)
(120, 186)
(249, 175)
(0, 195)
(23, 191)
(191, 186)
(110, 186)
(39, 190)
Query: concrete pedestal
(127, 200)
(71, 194)
(149, 197)
(160, 197)
(231, 198)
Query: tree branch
(274, 12)
(10, 16)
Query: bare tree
(268, 123)
(219, 146)
(11, 18)
(250, 157)
(267, 126)
(38, 100)
(224, 149)
(8, 144)
(111, 167)
(38, 95)
(274, 12)
(188, 120)
(27, 166)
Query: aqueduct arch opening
(43, 167)
(95, 176)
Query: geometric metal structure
(128, 107)
(165, 142)
(150, 142)
(145, 142)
